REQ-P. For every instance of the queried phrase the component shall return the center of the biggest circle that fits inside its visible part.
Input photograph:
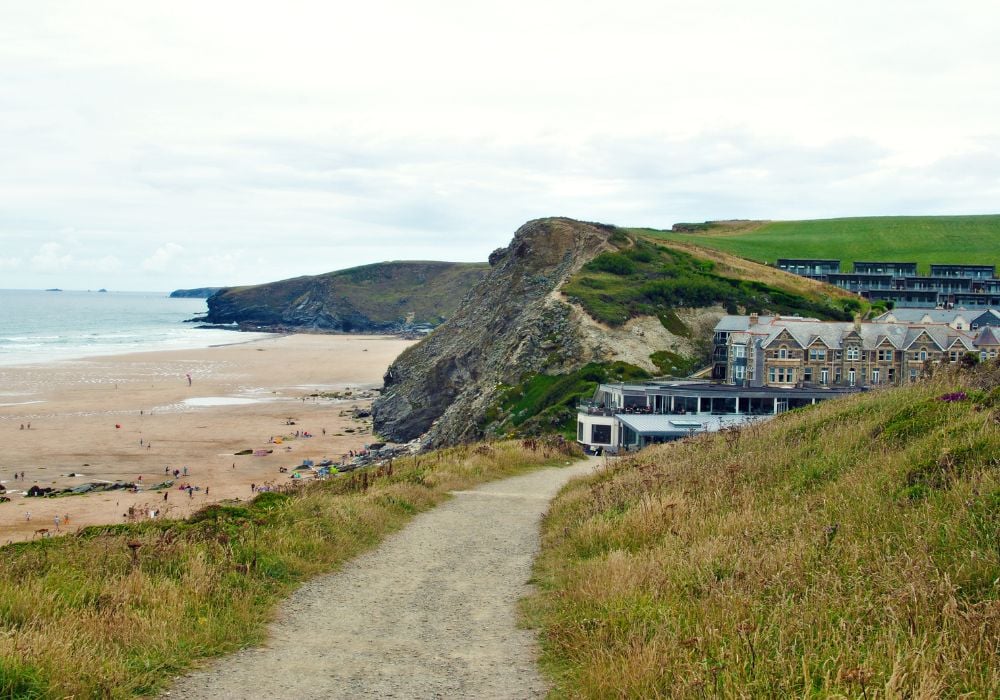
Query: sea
(46, 326)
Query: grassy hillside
(116, 611)
(381, 294)
(644, 278)
(921, 239)
(851, 549)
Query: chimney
(753, 319)
(857, 323)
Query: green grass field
(921, 239)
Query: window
(837, 376)
(824, 376)
(739, 372)
(885, 355)
(739, 351)
(781, 375)
(851, 377)
(913, 375)
(875, 376)
(817, 355)
(892, 375)
(853, 353)
(783, 353)
(807, 374)
(579, 430)
(600, 434)
(923, 355)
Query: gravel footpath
(430, 613)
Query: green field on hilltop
(920, 239)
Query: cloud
(51, 258)
(165, 257)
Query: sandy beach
(130, 416)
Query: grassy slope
(648, 279)
(79, 618)
(384, 292)
(850, 550)
(921, 239)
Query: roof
(733, 323)
(988, 336)
(646, 424)
(947, 316)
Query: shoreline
(135, 418)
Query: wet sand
(240, 396)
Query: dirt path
(431, 613)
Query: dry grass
(116, 611)
(848, 550)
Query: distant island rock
(389, 297)
(198, 293)
(54, 289)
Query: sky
(161, 145)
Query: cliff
(505, 328)
(380, 298)
(197, 293)
(574, 301)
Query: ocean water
(39, 326)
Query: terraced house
(776, 351)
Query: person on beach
(27, 516)
(165, 494)
(188, 375)
(56, 521)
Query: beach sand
(240, 396)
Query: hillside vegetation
(379, 297)
(920, 239)
(851, 549)
(116, 611)
(646, 279)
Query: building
(974, 272)
(898, 282)
(631, 416)
(893, 269)
(808, 267)
(775, 351)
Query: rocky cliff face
(514, 322)
(380, 298)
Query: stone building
(776, 351)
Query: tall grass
(116, 611)
(851, 549)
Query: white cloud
(51, 258)
(163, 258)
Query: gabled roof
(988, 335)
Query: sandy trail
(431, 613)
